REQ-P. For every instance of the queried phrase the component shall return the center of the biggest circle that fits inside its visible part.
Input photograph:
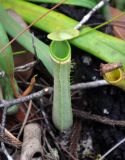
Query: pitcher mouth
(114, 76)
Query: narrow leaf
(7, 64)
(6, 57)
(13, 28)
(82, 3)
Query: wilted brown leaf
(119, 24)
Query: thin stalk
(90, 13)
(112, 149)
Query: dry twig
(74, 138)
(25, 119)
(104, 68)
(10, 139)
(49, 91)
(26, 98)
(25, 67)
(112, 149)
(3, 121)
(5, 151)
(89, 85)
(100, 119)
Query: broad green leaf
(103, 46)
(82, 3)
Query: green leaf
(7, 65)
(6, 57)
(13, 28)
(82, 3)
(64, 34)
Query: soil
(106, 101)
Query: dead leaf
(119, 24)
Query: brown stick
(25, 119)
(10, 139)
(74, 139)
(100, 119)
(49, 90)
(30, 87)
(31, 142)
(12, 82)
(104, 68)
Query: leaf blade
(6, 57)
(13, 28)
(82, 3)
